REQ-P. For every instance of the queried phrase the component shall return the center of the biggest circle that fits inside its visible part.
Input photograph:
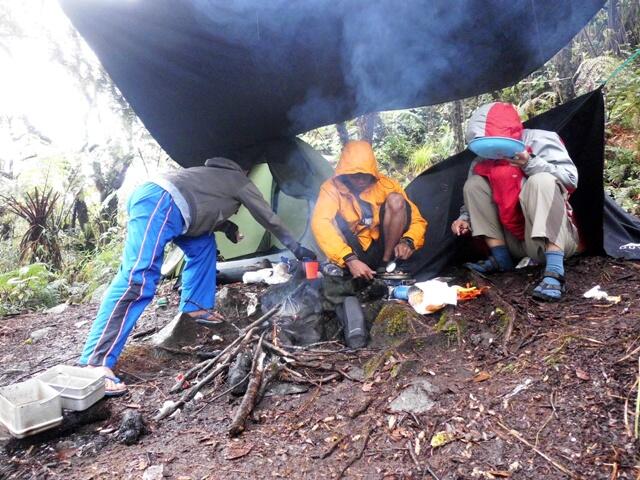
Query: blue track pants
(154, 221)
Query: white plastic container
(79, 387)
(29, 407)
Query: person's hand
(231, 231)
(402, 251)
(460, 227)
(302, 253)
(359, 269)
(520, 159)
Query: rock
(98, 294)
(40, 333)
(484, 339)
(284, 388)
(398, 328)
(179, 332)
(417, 398)
(131, 428)
(57, 309)
(356, 373)
(154, 472)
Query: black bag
(300, 317)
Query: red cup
(311, 269)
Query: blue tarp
(209, 77)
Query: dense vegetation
(61, 221)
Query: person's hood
(221, 162)
(497, 119)
(357, 157)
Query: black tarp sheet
(604, 227)
(209, 77)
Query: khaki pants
(543, 202)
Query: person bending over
(184, 207)
(519, 206)
(362, 219)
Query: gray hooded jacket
(207, 196)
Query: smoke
(388, 54)
(208, 76)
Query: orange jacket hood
(336, 199)
(357, 157)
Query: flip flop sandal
(209, 319)
(115, 393)
(540, 291)
(489, 265)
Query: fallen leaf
(236, 451)
(366, 387)
(499, 473)
(66, 453)
(391, 421)
(481, 377)
(442, 438)
(582, 375)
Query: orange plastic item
(311, 269)
(469, 293)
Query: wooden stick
(204, 366)
(359, 454)
(559, 466)
(250, 396)
(331, 449)
(271, 372)
(188, 395)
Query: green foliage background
(406, 142)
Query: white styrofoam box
(79, 387)
(29, 407)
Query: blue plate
(496, 147)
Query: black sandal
(540, 292)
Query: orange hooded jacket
(335, 198)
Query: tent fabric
(604, 227)
(210, 77)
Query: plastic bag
(300, 316)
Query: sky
(35, 85)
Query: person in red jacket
(519, 206)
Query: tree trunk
(343, 133)
(457, 120)
(566, 70)
(107, 183)
(616, 35)
(366, 126)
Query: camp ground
(431, 370)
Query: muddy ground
(557, 402)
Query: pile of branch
(271, 361)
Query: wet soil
(556, 402)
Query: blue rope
(621, 67)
